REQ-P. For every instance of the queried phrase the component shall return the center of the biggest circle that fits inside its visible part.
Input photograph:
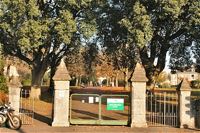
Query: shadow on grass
(47, 96)
(94, 115)
(42, 118)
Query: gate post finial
(138, 100)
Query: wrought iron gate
(26, 111)
(99, 109)
(162, 109)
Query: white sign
(115, 104)
(115, 100)
(91, 99)
(97, 99)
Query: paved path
(95, 129)
(41, 127)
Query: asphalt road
(95, 129)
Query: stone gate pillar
(186, 114)
(138, 97)
(61, 96)
(14, 88)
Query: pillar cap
(139, 74)
(184, 85)
(62, 73)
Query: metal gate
(26, 111)
(99, 109)
(162, 109)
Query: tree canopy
(41, 32)
(151, 27)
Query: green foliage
(165, 85)
(195, 84)
(1, 65)
(138, 24)
(42, 32)
(26, 80)
(180, 57)
(31, 27)
(163, 76)
(3, 85)
(88, 27)
(196, 51)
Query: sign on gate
(115, 104)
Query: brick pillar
(61, 96)
(186, 113)
(14, 88)
(138, 97)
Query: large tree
(152, 27)
(114, 38)
(75, 64)
(39, 31)
(173, 22)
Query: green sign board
(115, 104)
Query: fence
(26, 110)
(162, 109)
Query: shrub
(26, 80)
(3, 86)
(165, 85)
(195, 84)
(3, 98)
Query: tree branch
(177, 34)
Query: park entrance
(99, 109)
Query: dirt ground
(43, 117)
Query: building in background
(190, 75)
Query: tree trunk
(76, 84)
(116, 80)
(153, 70)
(107, 81)
(112, 82)
(79, 81)
(90, 83)
(37, 75)
(126, 79)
